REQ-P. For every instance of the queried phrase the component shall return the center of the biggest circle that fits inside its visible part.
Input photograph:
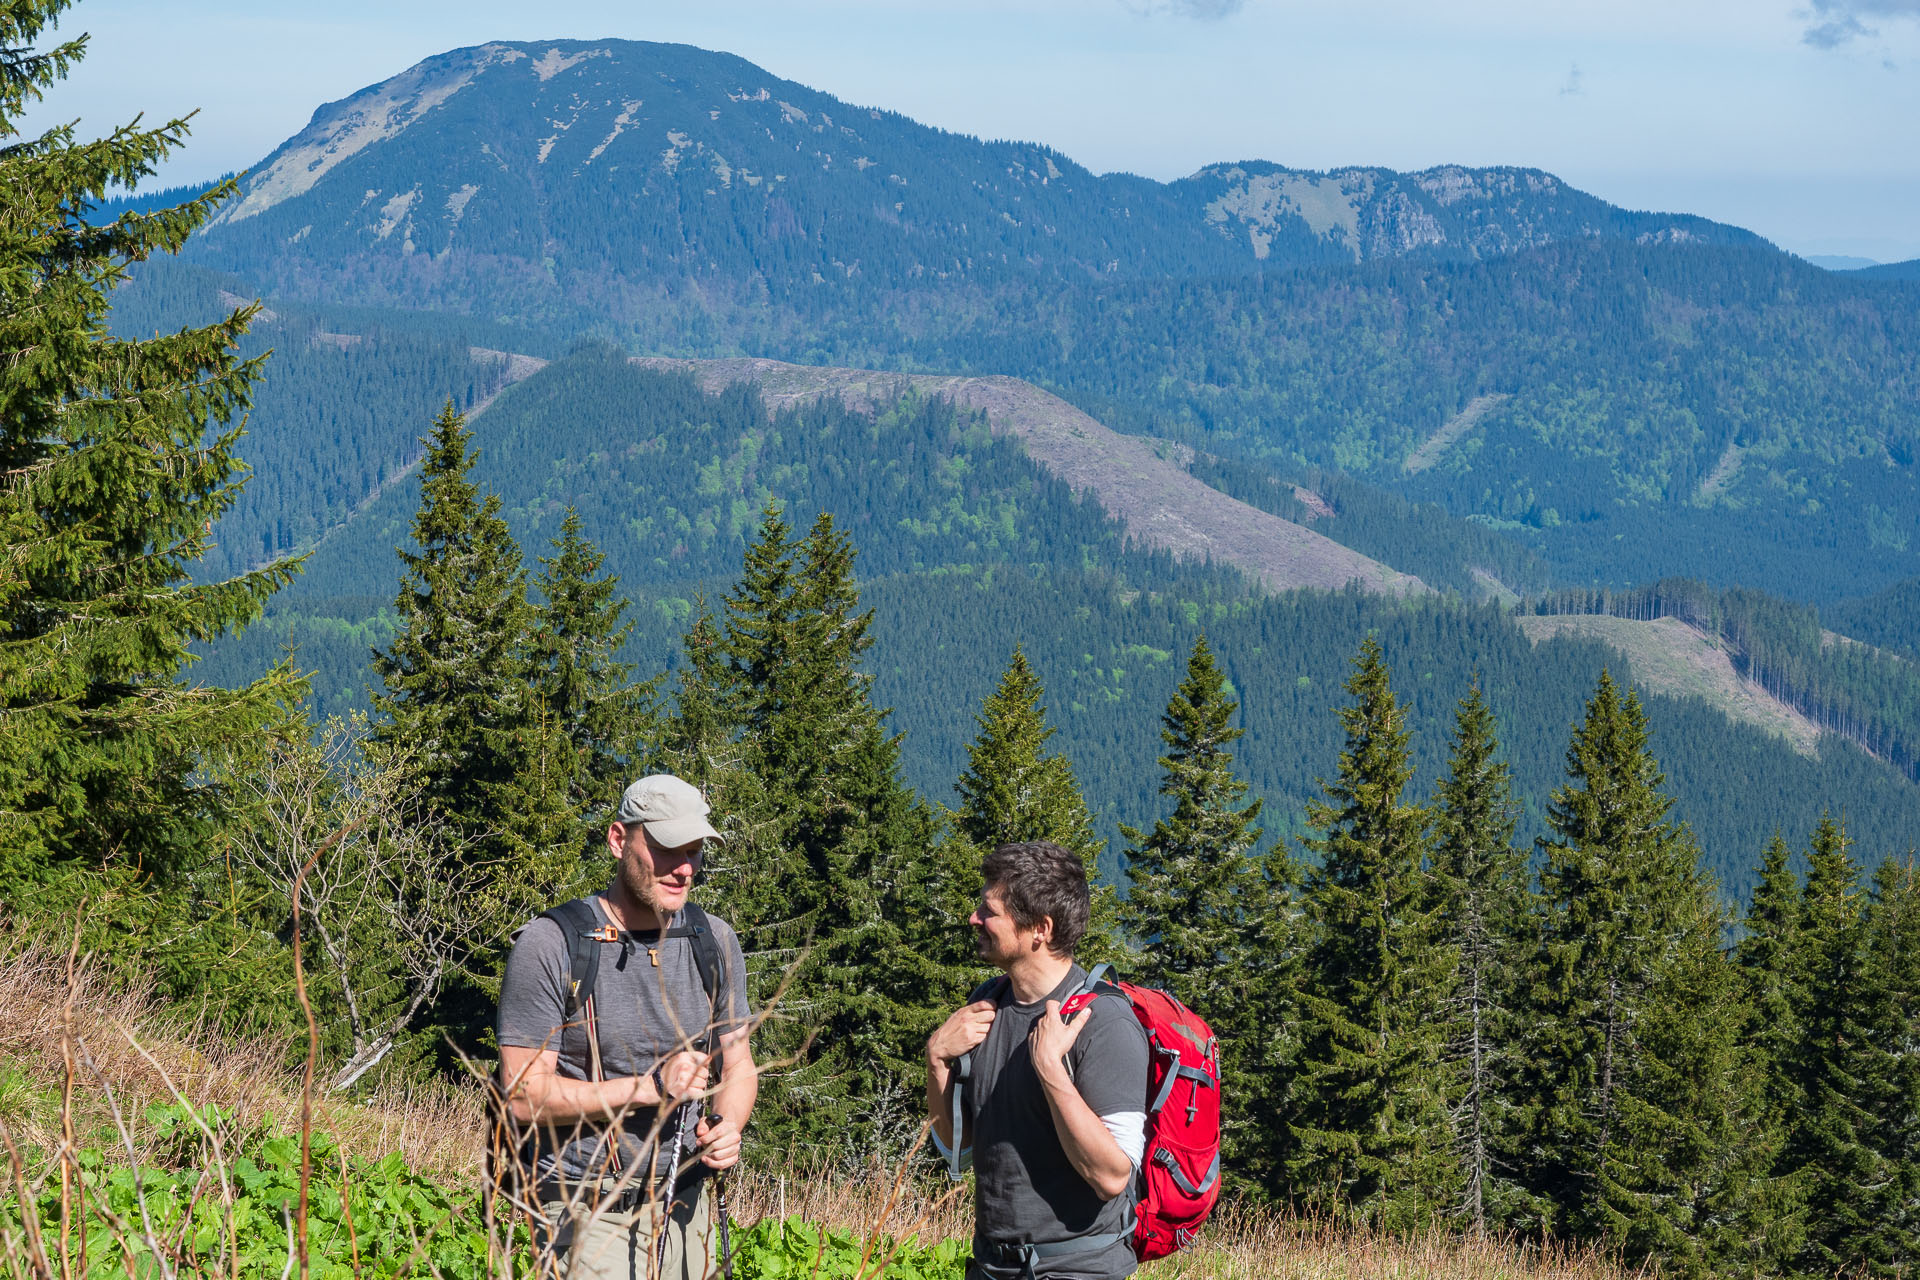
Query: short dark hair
(1039, 878)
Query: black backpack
(582, 927)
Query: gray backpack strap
(963, 1072)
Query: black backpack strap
(584, 931)
(963, 1072)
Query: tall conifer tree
(455, 690)
(1193, 880)
(1893, 960)
(1488, 909)
(1196, 903)
(825, 864)
(1371, 1121)
(1768, 959)
(1012, 789)
(1840, 1077)
(1634, 1109)
(118, 460)
(584, 688)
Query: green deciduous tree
(116, 459)
(1371, 1110)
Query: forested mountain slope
(538, 177)
(1153, 496)
(1654, 395)
(967, 547)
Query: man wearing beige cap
(623, 1055)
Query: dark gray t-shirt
(650, 1003)
(1026, 1191)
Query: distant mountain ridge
(615, 167)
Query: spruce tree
(1192, 881)
(456, 694)
(1841, 1079)
(119, 457)
(1635, 1017)
(1370, 1117)
(1768, 959)
(824, 870)
(1893, 962)
(583, 687)
(1196, 902)
(1488, 906)
(1012, 790)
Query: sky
(1799, 119)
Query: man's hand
(1049, 1041)
(718, 1139)
(684, 1074)
(962, 1032)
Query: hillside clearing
(1669, 657)
(1716, 481)
(1455, 429)
(1153, 496)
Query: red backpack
(1180, 1169)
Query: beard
(636, 877)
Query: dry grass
(133, 1052)
(1257, 1246)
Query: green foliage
(585, 692)
(1198, 905)
(1633, 1102)
(1013, 790)
(1370, 1121)
(789, 1250)
(824, 871)
(118, 460)
(228, 1209)
(1489, 914)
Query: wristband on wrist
(659, 1085)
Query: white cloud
(1200, 10)
(1838, 22)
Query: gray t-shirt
(1026, 1191)
(650, 1004)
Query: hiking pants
(621, 1244)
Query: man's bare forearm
(739, 1089)
(940, 1098)
(548, 1098)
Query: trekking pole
(673, 1180)
(720, 1202)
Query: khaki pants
(622, 1245)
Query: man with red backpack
(1051, 1110)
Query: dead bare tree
(393, 899)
